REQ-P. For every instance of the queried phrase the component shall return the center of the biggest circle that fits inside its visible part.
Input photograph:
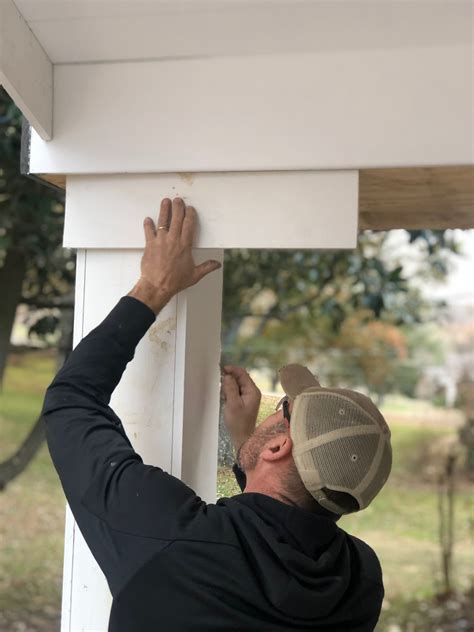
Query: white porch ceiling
(75, 31)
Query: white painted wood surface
(78, 31)
(332, 110)
(197, 376)
(158, 390)
(254, 210)
(26, 72)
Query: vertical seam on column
(72, 570)
(74, 525)
(174, 384)
(84, 293)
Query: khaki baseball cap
(341, 442)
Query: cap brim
(295, 378)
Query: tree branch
(14, 465)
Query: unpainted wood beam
(416, 198)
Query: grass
(31, 507)
(401, 524)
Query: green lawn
(31, 507)
(401, 524)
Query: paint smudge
(159, 333)
(187, 177)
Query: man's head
(266, 458)
(335, 450)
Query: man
(269, 559)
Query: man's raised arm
(98, 468)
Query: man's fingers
(177, 217)
(230, 388)
(201, 270)
(189, 226)
(245, 382)
(149, 229)
(165, 212)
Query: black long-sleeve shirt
(173, 562)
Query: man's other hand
(167, 265)
(242, 401)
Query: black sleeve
(240, 476)
(108, 487)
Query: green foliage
(31, 217)
(290, 306)
(370, 351)
(406, 375)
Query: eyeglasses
(285, 404)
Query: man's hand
(242, 401)
(167, 265)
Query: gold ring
(162, 228)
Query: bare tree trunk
(12, 274)
(446, 494)
(15, 465)
(66, 328)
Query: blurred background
(393, 319)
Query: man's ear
(277, 448)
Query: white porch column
(175, 375)
(168, 399)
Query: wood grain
(421, 197)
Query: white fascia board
(236, 210)
(26, 72)
(334, 110)
(75, 31)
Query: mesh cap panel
(329, 412)
(345, 462)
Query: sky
(459, 288)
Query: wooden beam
(56, 179)
(26, 72)
(415, 198)
(411, 198)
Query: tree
(371, 351)
(34, 268)
(287, 306)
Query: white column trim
(26, 72)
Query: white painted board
(347, 109)
(198, 347)
(252, 210)
(158, 390)
(78, 31)
(26, 72)
(144, 402)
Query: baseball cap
(341, 442)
